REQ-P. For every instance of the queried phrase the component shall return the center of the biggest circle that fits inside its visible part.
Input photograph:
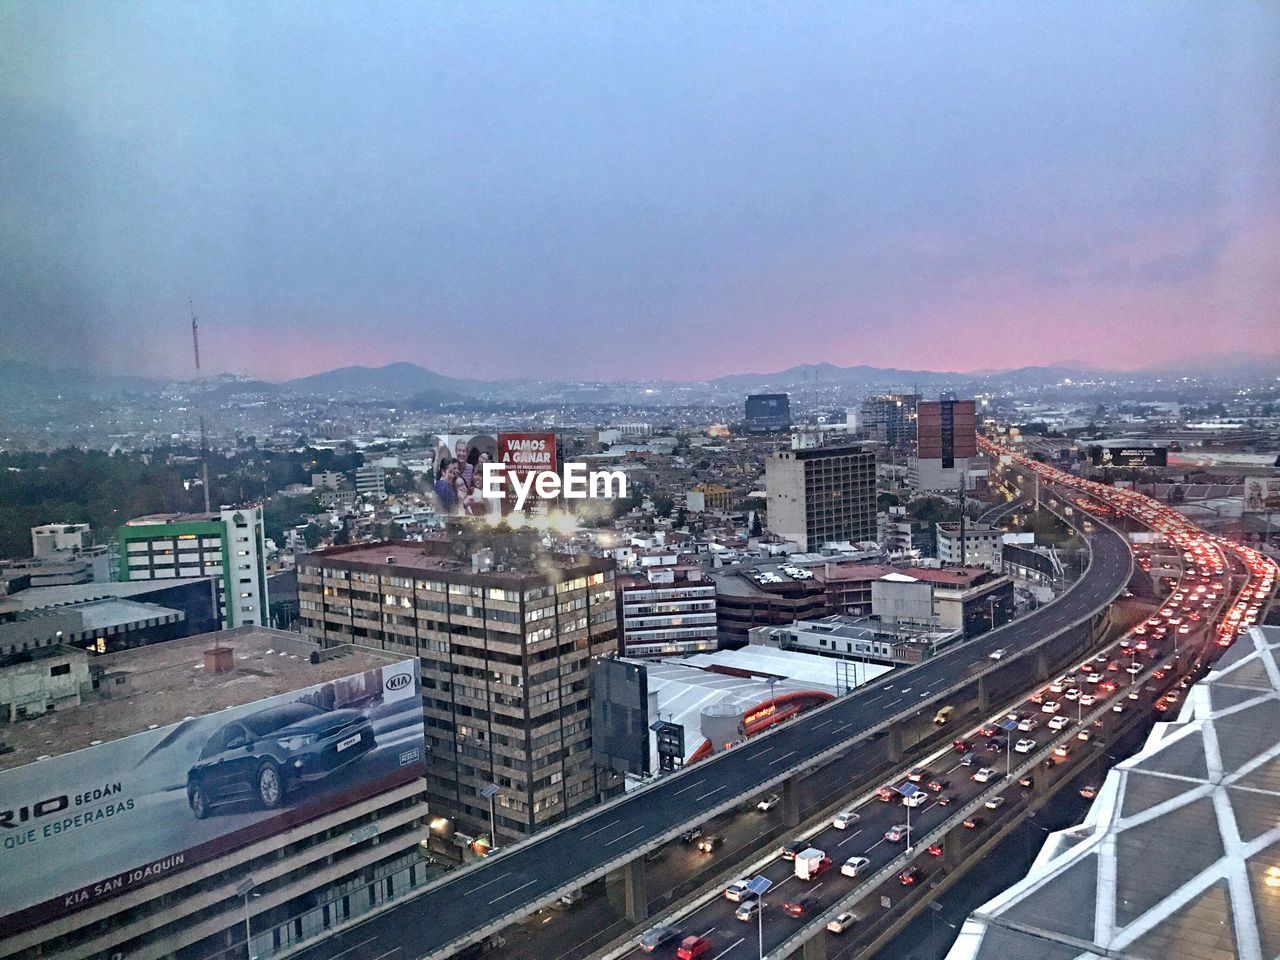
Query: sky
(637, 189)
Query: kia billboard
(81, 828)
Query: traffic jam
(825, 875)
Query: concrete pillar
(790, 802)
(815, 948)
(637, 891)
(953, 849)
(984, 695)
(1042, 662)
(896, 738)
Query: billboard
(1130, 457)
(1262, 494)
(81, 828)
(523, 454)
(459, 461)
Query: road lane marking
(728, 948)
(874, 845)
(781, 758)
(600, 829)
(512, 892)
(716, 790)
(708, 933)
(683, 789)
(841, 843)
(349, 949)
(494, 880)
(842, 727)
(824, 722)
(382, 956)
(609, 843)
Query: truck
(811, 863)
(943, 715)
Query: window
(60, 670)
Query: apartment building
(666, 611)
(822, 495)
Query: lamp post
(245, 889)
(490, 793)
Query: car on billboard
(265, 756)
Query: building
(228, 545)
(505, 634)
(666, 611)
(128, 845)
(329, 480)
(51, 538)
(371, 482)
(767, 413)
(858, 639)
(890, 418)
(709, 496)
(983, 544)
(946, 444)
(822, 495)
(1177, 855)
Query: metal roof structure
(1179, 857)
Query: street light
(760, 886)
(490, 793)
(245, 889)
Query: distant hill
(393, 380)
(22, 380)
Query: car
(736, 890)
(1037, 697)
(1058, 722)
(1057, 686)
(658, 937)
(886, 794)
(1084, 736)
(910, 876)
(1088, 700)
(1107, 686)
(987, 730)
(691, 948)
(937, 785)
(1049, 706)
(1173, 695)
(968, 760)
(768, 803)
(917, 774)
(998, 654)
(1089, 792)
(1133, 695)
(1061, 750)
(690, 835)
(915, 799)
(996, 744)
(973, 823)
(1026, 781)
(995, 803)
(935, 850)
(798, 908)
(748, 909)
(841, 821)
(841, 922)
(1027, 724)
(710, 843)
(961, 746)
(1072, 694)
(944, 799)
(984, 774)
(790, 849)
(1117, 708)
(268, 756)
(1162, 705)
(1094, 678)
(896, 833)
(1113, 666)
(854, 865)
(1133, 669)
(1024, 746)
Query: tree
(757, 528)
(662, 504)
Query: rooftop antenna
(214, 608)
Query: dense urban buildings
(260, 759)
(767, 413)
(665, 611)
(889, 418)
(505, 634)
(51, 538)
(980, 544)
(228, 545)
(822, 495)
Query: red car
(961, 746)
(886, 794)
(796, 908)
(910, 875)
(987, 731)
(935, 849)
(691, 948)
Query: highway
(487, 895)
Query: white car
(1024, 746)
(1084, 736)
(1072, 694)
(1094, 678)
(1050, 706)
(842, 820)
(995, 803)
(1058, 722)
(998, 654)
(841, 923)
(1133, 669)
(915, 799)
(737, 890)
(1027, 724)
(854, 865)
(1088, 700)
(768, 803)
(984, 774)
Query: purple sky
(637, 189)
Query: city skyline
(638, 193)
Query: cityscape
(583, 482)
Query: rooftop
(166, 682)
(516, 558)
(1179, 857)
(37, 598)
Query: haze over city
(638, 191)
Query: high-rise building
(505, 634)
(667, 611)
(371, 482)
(983, 544)
(51, 538)
(228, 545)
(767, 413)
(890, 418)
(822, 495)
(946, 444)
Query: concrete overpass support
(1042, 662)
(637, 891)
(790, 802)
(814, 948)
(984, 694)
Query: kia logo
(398, 681)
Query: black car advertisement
(82, 827)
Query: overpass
(476, 901)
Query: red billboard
(523, 454)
